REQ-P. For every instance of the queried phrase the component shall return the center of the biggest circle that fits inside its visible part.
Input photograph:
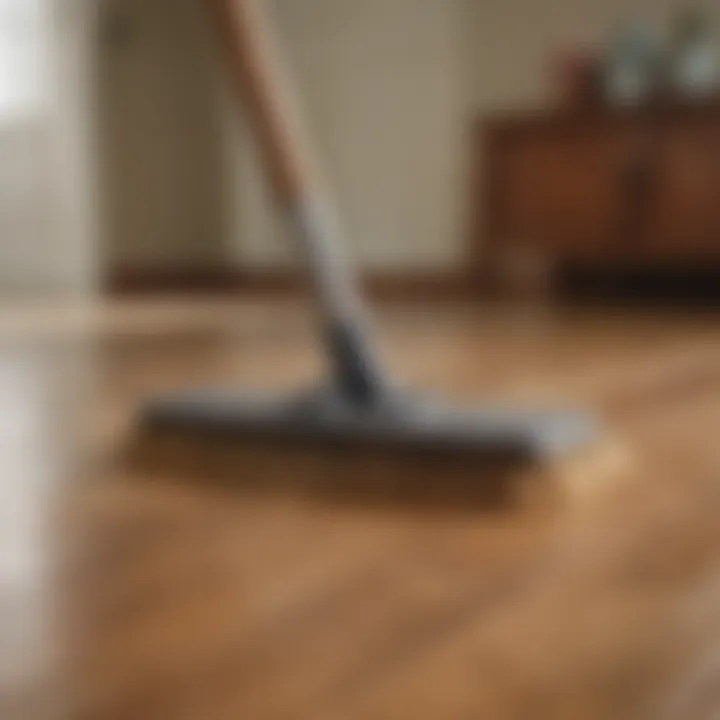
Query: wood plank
(322, 589)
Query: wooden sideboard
(624, 189)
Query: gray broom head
(400, 421)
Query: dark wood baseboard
(416, 286)
(153, 281)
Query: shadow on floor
(424, 482)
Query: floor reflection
(38, 417)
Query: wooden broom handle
(358, 376)
(254, 64)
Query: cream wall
(48, 238)
(383, 90)
(74, 230)
(24, 138)
(513, 41)
(160, 149)
(28, 207)
(117, 163)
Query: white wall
(48, 241)
(25, 137)
(382, 85)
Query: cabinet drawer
(567, 192)
(637, 188)
(683, 222)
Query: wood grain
(279, 585)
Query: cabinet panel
(566, 191)
(634, 188)
(684, 221)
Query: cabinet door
(684, 222)
(564, 191)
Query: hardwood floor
(275, 585)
